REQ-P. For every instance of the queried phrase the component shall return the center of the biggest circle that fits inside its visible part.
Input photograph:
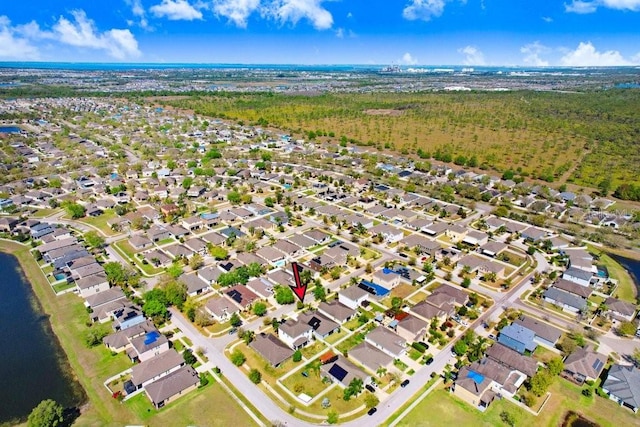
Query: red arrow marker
(299, 289)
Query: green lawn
(441, 408)
(313, 349)
(311, 385)
(335, 337)
(626, 289)
(350, 342)
(100, 222)
(194, 408)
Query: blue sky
(403, 32)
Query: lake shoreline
(39, 286)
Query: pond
(632, 266)
(34, 366)
(573, 419)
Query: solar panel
(597, 365)
(338, 372)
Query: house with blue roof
(518, 338)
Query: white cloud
(176, 10)
(583, 7)
(236, 11)
(349, 15)
(295, 10)
(340, 33)
(120, 44)
(408, 59)
(532, 53)
(473, 56)
(547, 19)
(138, 11)
(12, 45)
(586, 55)
(424, 10)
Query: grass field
(441, 409)
(626, 288)
(583, 138)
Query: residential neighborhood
(185, 261)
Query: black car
(370, 388)
(429, 361)
(404, 383)
(372, 411)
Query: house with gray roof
(370, 357)
(353, 296)
(388, 341)
(343, 372)
(620, 310)
(578, 276)
(271, 349)
(583, 365)
(512, 359)
(573, 288)
(172, 386)
(92, 285)
(545, 334)
(221, 309)
(567, 302)
(155, 368)
(623, 386)
(195, 285)
(336, 311)
(518, 338)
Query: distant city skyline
(403, 32)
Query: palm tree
(381, 371)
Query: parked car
(404, 383)
(233, 331)
(372, 411)
(370, 388)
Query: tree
(48, 413)
(540, 382)
(466, 282)
(94, 240)
(260, 309)
(255, 376)
(155, 309)
(235, 320)
(320, 293)
(234, 197)
(196, 262)
(460, 348)
(555, 366)
(332, 417)
(188, 357)
(297, 356)
(75, 210)
(175, 294)
(94, 336)
(627, 329)
(116, 274)
(508, 418)
(174, 270)
(283, 295)
(218, 252)
(238, 358)
(371, 400)
(269, 202)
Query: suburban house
(545, 334)
(271, 255)
(139, 242)
(620, 310)
(479, 383)
(476, 238)
(261, 287)
(144, 347)
(271, 349)
(386, 278)
(336, 311)
(155, 368)
(221, 309)
(388, 341)
(428, 311)
(298, 333)
(195, 285)
(493, 249)
(353, 297)
(343, 372)
(518, 338)
(583, 365)
(92, 285)
(370, 356)
(512, 359)
(121, 340)
(209, 274)
(172, 386)
(411, 328)
(388, 233)
(242, 296)
(578, 276)
(573, 288)
(623, 386)
(568, 302)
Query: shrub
(255, 376)
(421, 348)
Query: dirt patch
(383, 112)
(573, 419)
